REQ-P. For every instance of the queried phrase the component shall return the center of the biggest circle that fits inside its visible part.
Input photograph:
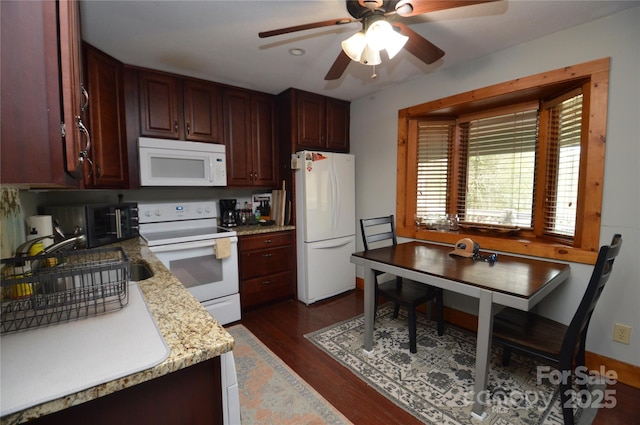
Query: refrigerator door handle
(332, 243)
(335, 195)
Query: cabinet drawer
(266, 288)
(266, 261)
(265, 240)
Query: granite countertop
(254, 229)
(191, 333)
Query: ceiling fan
(381, 30)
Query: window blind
(498, 157)
(563, 167)
(433, 156)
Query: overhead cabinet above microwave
(179, 163)
(179, 108)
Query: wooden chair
(381, 231)
(553, 341)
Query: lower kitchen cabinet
(192, 395)
(267, 267)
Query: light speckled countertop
(192, 335)
(254, 229)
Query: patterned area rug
(272, 393)
(436, 384)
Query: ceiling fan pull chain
(374, 75)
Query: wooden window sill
(508, 244)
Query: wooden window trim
(593, 76)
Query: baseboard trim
(627, 373)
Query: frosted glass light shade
(377, 34)
(354, 46)
(395, 42)
(370, 56)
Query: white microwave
(179, 163)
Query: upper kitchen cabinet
(44, 140)
(179, 108)
(249, 138)
(314, 122)
(108, 165)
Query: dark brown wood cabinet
(249, 138)
(267, 268)
(192, 395)
(337, 125)
(179, 108)
(202, 111)
(314, 122)
(108, 167)
(41, 93)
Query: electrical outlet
(622, 333)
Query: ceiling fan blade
(418, 46)
(338, 67)
(419, 7)
(309, 26)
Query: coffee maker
(228, 212)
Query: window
(434, 146)
(563, 167)
(520, 163)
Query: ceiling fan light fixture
(354, 46)
(370, 56)
(395, 42)
(378, 33)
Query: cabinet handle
(83, 155)
(267, 241)
(84, 130)
(92, 167)
(266, 282)
(267, 255)
(86, 99)
(188, 128)
(175, 126)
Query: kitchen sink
(140, 271)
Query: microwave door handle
(211, 171)
(118, 218)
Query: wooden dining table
(510, 281)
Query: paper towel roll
(43, 225)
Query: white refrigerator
(325, 224)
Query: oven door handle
(186, 245)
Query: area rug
(271, 392)
(436, 384)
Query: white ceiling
(218, 40)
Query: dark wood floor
(282, 328)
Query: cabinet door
(265, 159)
(311, 121)
(32, 151)
(237, 128)
(202, 112)
(159, 105)
(76, 141)
(337, 132)
(106, 122)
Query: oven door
(196, 266)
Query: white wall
(374, 135)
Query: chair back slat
(599, 277)
(378, 229)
